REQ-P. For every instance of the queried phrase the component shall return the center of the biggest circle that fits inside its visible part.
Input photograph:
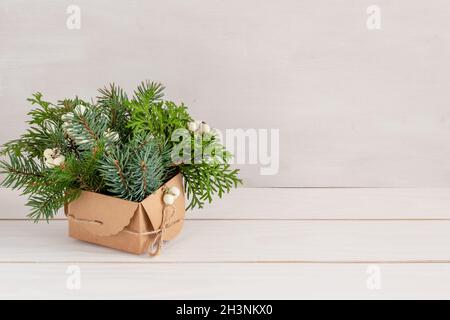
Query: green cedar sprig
(204, 181)
(159, 118)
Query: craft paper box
(125, 225)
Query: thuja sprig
(204, 181)
(159, 118)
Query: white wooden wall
(355, 107)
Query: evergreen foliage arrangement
(119, 146)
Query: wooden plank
(246, 241)
(294, 203)
(225, 281)
(330, 203)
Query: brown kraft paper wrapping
(124, 225)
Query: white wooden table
(253, 244)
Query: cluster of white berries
(53, 158)
(170, 195)
(199, 127)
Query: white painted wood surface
(354, 107)
(237, 253)
(225, 281)
(247, 241)
(300, 204)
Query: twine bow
(168, 213)
(156, 245)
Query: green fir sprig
(117, 145)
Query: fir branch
(114, 101)
(114, 168)
(144, 173)
(44, 132)
(148, 168)
(148, 92)
(88, 128)
(121, 175)
(45, 205)
(84, 170)
(46, 188)
(133, 171)
(21, 172)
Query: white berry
(205, 128)
(48, 153)
(174, 191)
(169, 199)
(49, 163)
(59, 160)
(192, 126)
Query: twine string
(156, 245)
